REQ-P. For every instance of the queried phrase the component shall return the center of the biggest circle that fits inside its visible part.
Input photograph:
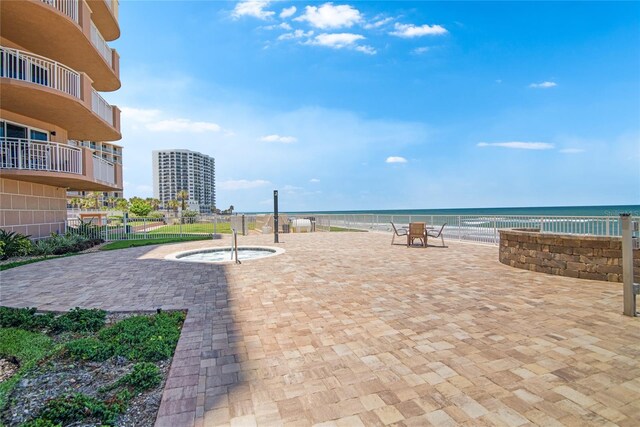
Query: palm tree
(111, 201)
(75, 201)
(154, 203)
(183, 195)
(173, 204)
(93, 200)
(231, 208)
(122, 204)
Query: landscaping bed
(84, 367)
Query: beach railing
(120, 227)
(472, 228)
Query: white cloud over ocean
(411, 31)
(518, 145)
(543, 85)
(329, 16)
(279, 138)
(253, 8)
(396, 159)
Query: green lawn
(122, 244)
(27, 347)
(339, 229)
(207, 227)
(32, 260)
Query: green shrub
(88, 349)
(2, 245)
(58, 244)
(24, 318)
(15, 244)
(137, 338)
(156, 215)
(79, 407)
(80, 320)
(144, 376)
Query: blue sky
(387, 105)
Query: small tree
(183, 196)
(122, 204)
(173, 204)
(140, 207)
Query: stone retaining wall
(585, 257)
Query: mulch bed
(59, 376)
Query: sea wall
(584, 257)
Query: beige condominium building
(54, 62)
(109, 152)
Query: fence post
(125, 217)
(459, 228)
(181, 221)
(495, 231)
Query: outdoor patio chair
(397, 232)
(416, 231)
(435, 234)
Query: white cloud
(279, 138)
(288, 11)
(543, 85)
(572, 150)
(182, 125)
(421, 50)
(242, 184)
(377, 23)
(150, 119)
(518, 145)
(314, 180)
(330, 16)
(366, 49)
(281, 26)
(336, 40)
(253, 8)
(410, 30)
(291, 188)
(297, 34)
(396, 159)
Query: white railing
(101, 108)
(25, 66)
(67, 7)
(103, 170)
(16, 153)
(101, 45)
(473, 228)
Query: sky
(386, 105)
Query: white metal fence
(67, 7)
(120, 227)
(101, 44)
(470, 228)
(101, 108)
(30, 154)
(103, 170)
(28, 67)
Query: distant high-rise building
(176, 170)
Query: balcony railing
(17, 153)
(103, 170)
(101, 45)
(25, 66)
(67, 7)
(101, 108)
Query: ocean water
(609, 210)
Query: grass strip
(28, 347)
(15, 264)
(123, 244)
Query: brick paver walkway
(344, 329)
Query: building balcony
(38, 87)
(62, 30)
(104, 13)
(60, 165)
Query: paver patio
(344, 329)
